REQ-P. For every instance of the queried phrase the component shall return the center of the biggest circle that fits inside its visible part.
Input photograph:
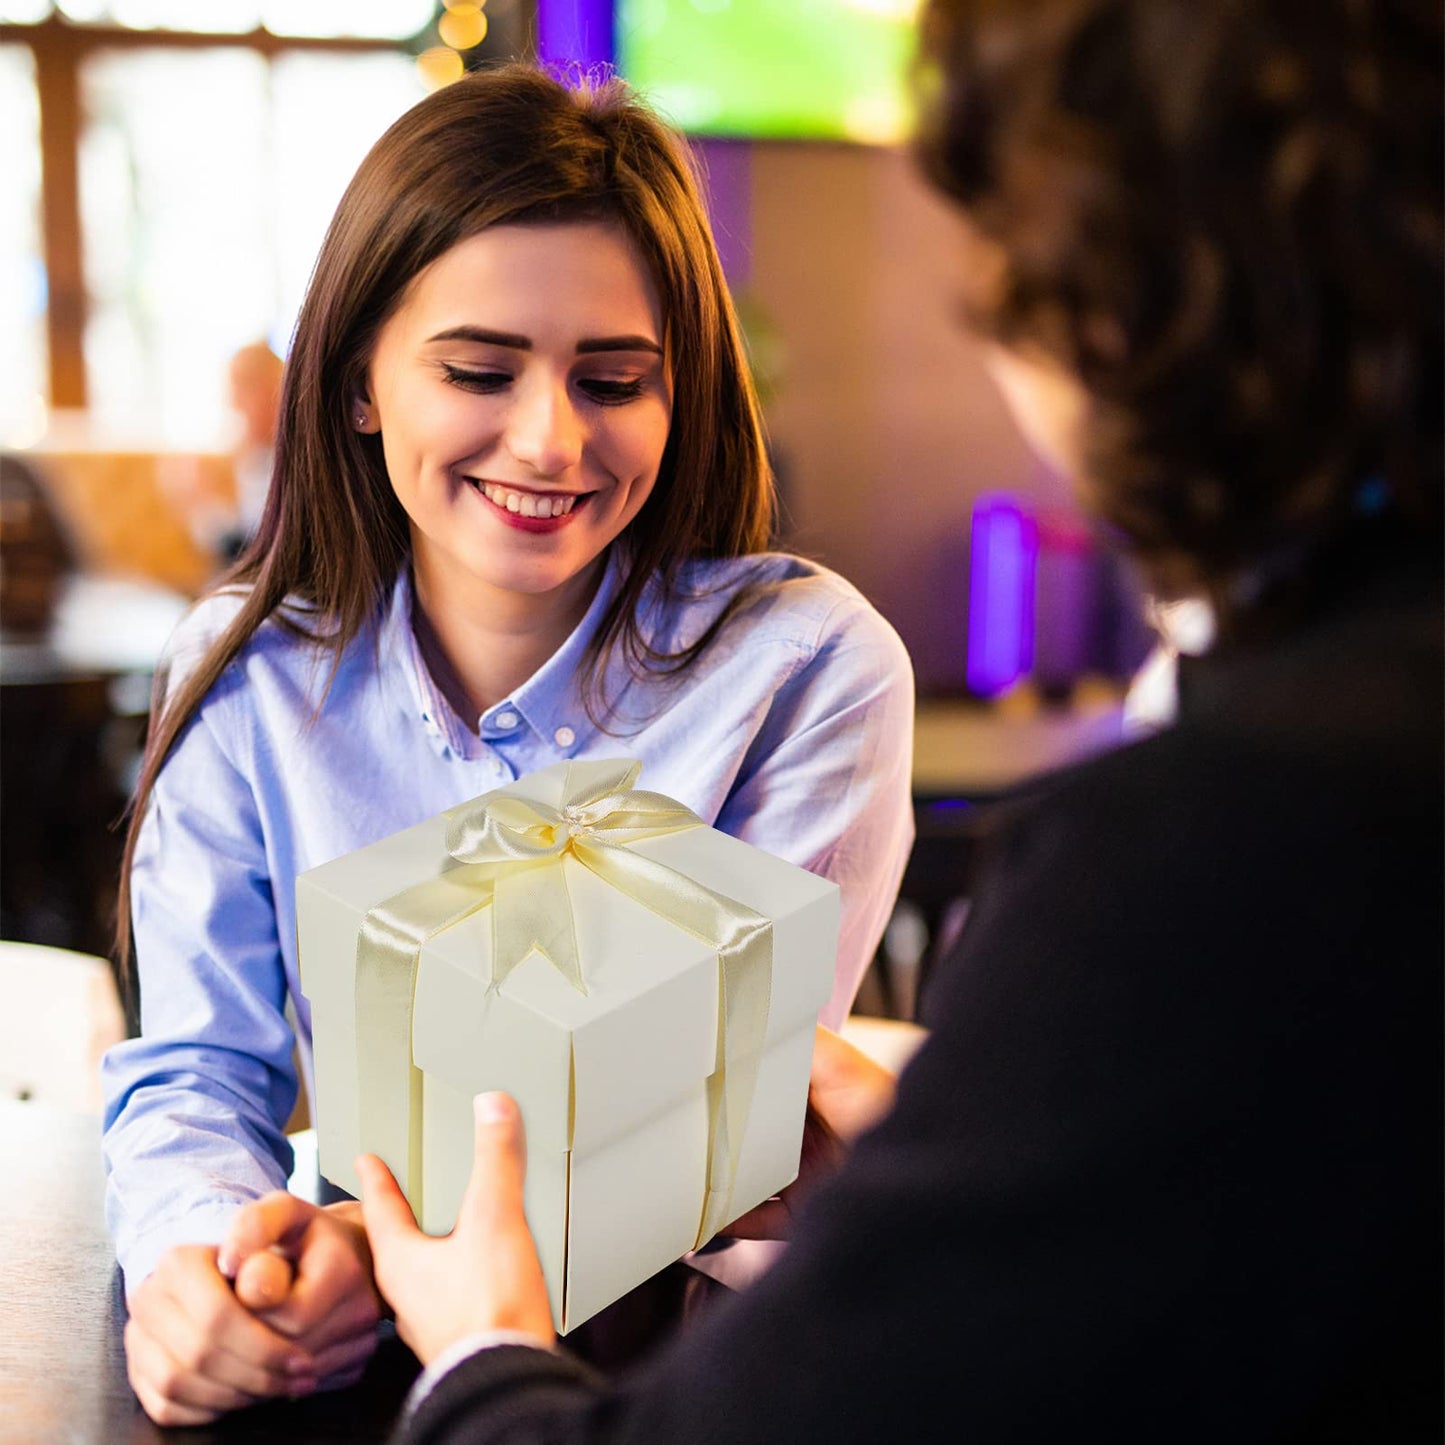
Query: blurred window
(211, 16)
(22, 272)
(207, 178)
(324, 19)
(375, 19)
(170, 167)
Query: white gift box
(619, 1085)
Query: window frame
(60, 48)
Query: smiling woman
(518, 515)
(523, 403)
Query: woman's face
(523, 403)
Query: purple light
(575, 32)
(728, 180)
(1003, 559)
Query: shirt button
(506, 721)
(564, 737)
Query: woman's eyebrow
(618, 343)
(485, 337)
(481, 335)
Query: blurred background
(167, 170)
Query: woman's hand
(306, 1272)
(848, 1092)
(485, 1274)
(193, 1351)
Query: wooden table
(62, 1367)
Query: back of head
(1226, 220)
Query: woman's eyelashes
(612, 393)
(602, 390)
(470, 380)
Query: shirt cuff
(454, 1354)
(206, 1224)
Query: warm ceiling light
(463, 27)
(439, 66)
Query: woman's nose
(544, 432)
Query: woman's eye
(612, 393)
(476, 380)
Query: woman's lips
(531, 511)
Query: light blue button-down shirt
(793, 731)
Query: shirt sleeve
(456, 1354)
(195, 1108)
(827, 783)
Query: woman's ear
(364, 417)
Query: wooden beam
(56, 77)
(81, 38)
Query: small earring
(361, 421)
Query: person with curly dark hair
(1169, 1165)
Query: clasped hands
(290, 1300)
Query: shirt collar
(548, 702)
(552, 698)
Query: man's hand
(847, 1093)
(193, 1351)
(485, 1274)
(306, 1272)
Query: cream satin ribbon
(510, 850)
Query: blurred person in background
(254, 377)
(1168, 1167)
(223, 524)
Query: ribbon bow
(510, 851)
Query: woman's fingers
(189, 1310)
(192, 1351)
(264, 1280)
(850, 1091)
(345, 1359)
(326, 1316)
(171, 1393)
(277, 1220)
(331, 1296)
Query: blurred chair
(59, 1012)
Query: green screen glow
(806, 69)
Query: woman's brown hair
(1225, 219)
(506, 146)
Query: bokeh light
(463, 26)
(439, 66)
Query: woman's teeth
(528, 503)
